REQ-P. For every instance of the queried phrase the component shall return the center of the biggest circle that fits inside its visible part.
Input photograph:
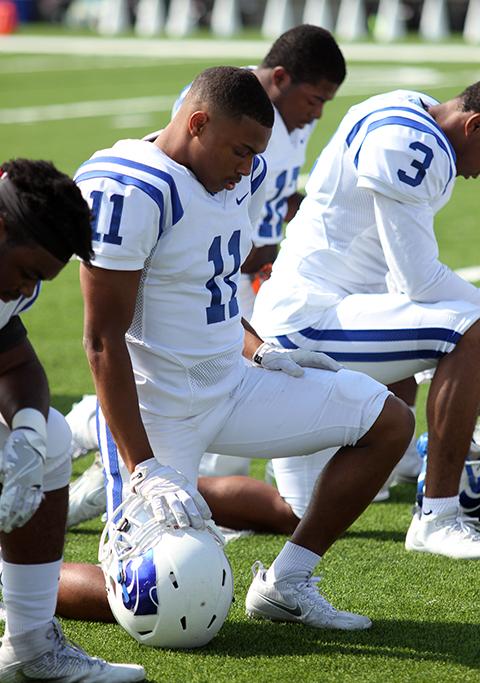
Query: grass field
(425, 609)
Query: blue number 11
(216, 310)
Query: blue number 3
(421, 166)
(216, 310)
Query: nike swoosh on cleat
(239, 201)
(294, 611)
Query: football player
(177, 371)
(359, 278)
(43, 221)
(301, 72)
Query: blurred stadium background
(383, 20)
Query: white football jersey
(366, 224)
(285, 156)
(152, 214)
(10, 308)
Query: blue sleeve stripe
(407, 334)
(426, 117)
(258, 180)
(177, 208)
(408, 123)
(152, 191)
(24, 304)
(353, 133)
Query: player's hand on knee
(21, 476)
(292, 361)
(174, 500)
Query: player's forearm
(23, 383)
(117, 394)
(251, 340)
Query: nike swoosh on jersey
(427, 513)
(294, 611)
(239, 201)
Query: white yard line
(361, 82)
(79, 110)
(239, 49)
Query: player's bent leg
(217, 465)
(82, 594)
(288, 591)
(353, 476)
(245, 503)
(408, 469)
(452, 408)
(33, 646)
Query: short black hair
(234, 91)
(471, 98)
(53, 212)
(309, 53)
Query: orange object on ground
(8, 16)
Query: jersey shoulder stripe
(24, 303)
(153, 192)
(259, 171)
(447, 145)
(177, 208)
(408, 123)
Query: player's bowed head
(459, 118)
(44, 220)
(224, 121)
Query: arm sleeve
(411, 252)
(126, 223)
(405, 164)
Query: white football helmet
(167, 587)
(470, 483)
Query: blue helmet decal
(470, 497)
(138, 580)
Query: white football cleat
(448, 534)
(45, 655)
(87, 497)
(82, 420)
(296, 598)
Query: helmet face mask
(167, 587)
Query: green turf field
(424, 608)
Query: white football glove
(292, 361)
(22, 462)
(174, 500)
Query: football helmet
(469, 488)
(167, 587)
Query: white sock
(292, 559)
(29, 594)
(431, 507)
